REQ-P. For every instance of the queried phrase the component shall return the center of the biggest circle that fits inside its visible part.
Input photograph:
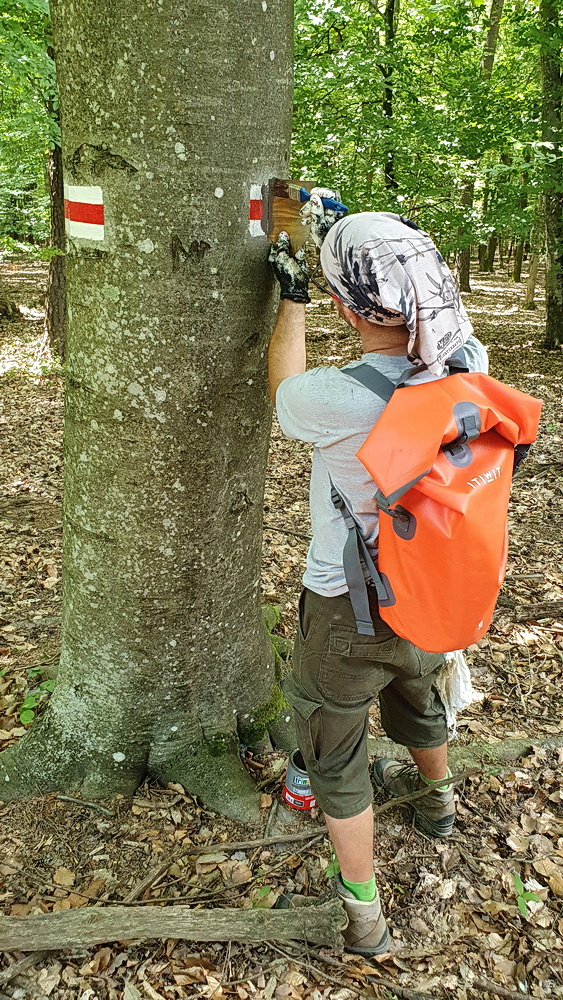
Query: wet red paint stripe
(80, 211)
(255, 209)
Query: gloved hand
(291, 271)
(319, 218)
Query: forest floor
(460, 910)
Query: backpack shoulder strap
(371, 379)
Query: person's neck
(386, 340)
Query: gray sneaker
(434, 813)
(367, 932)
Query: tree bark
(535, 252)
(552, 133)
(492, 245)
(97, 925)
(165, 663)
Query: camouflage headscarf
(387, 270)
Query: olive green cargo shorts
(335, 677)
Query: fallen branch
(543, 609)
(421, 792)
(84, 802)
(387, 984)
(486, 986)
(16, 968)
(474, 754)
(98, 925)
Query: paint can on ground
(297, 789)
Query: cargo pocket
(352, 669)
(308, 719)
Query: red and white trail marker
(84, 212)
(255, 211)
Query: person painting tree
(381, 288)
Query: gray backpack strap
(356, 553)
(369, 377)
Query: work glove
(319, 218)
(291, 271)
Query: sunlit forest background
(447, 111)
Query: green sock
(364, 891)
(436, 781)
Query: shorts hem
(349, 815)
(415, 745)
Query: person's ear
(351, 318)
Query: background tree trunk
(467, 194)
(55, 299)
(174, 112)
(391, 16)
(518, 258)
(552, 133)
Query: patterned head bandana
(387, 270)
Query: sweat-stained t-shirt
(333, 412)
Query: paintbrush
(281, 207)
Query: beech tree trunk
(173, 111)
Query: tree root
(42, 762)
(215, 774)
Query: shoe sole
(420, 820)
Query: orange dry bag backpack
(446, 450)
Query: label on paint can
(297, 789)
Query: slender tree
(551, 47)
(486, 69)
(171, 113)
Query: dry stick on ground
(142, 887)
(83, 802)
(234, 845)
(387, 984)
(420, 794)
(486, 986)
(478, 985)
(6, 975)
(543, 609)
(84, 928)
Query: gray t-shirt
(335, 413)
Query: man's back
(335, 413)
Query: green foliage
(447, 127)
(28, 121)
(522, 896)
(333, 868)
(34, 699)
